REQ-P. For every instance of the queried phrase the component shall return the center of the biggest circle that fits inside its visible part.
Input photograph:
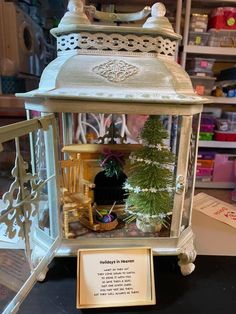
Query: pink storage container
(202, 171)
(224, 168)
(206, 128)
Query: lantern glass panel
(132, 124)
(15, 268)
(44, 169)
(28, 206)
(29, 232)
(191, 171)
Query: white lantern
(102, 74)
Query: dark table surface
(210, 289)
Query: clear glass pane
(28, 201)
(46, 224)
(81, 221)
(15, 266)
(189, 191)
(14, 271)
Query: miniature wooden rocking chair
(75, 194)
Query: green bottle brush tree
(151, 179)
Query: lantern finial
(75, 14)
(158, 9)
(158, 19)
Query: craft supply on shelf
(198, 38)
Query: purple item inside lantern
(107, 218)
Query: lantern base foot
(186, 259)
(41, 277)
(187, 269)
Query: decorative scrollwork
(116, 42)
(92, 127)
(21, 201)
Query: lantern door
(29, 219)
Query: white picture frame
(115, 277)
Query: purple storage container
(207, 127)
(206, 155)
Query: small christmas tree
(150, 182)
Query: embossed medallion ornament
(116, 70)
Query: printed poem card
(215, 208)
(115, 277)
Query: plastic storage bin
(204, 178)
(222, 125)
(223, 18)
(200, 73)
(205, 163)
(224, 168)
(229, 115)
(198, 22)
(231, 119)
(206, 136)
(203, 85)
(198, 38)
(207, 127)
(225, 136)
(207, 119)
(214, 112)
(202, 65)
(206, 155)
(201, 171)
(221, 38)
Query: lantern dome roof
(110, 63)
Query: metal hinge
(180, 184)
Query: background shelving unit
(214, 185)
(205, 7)
(225, 57)
(221, 100)
(217, 144)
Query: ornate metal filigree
(21, 202)
(94, 128)
(40, 154)
(116, 70)
(116, 42)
